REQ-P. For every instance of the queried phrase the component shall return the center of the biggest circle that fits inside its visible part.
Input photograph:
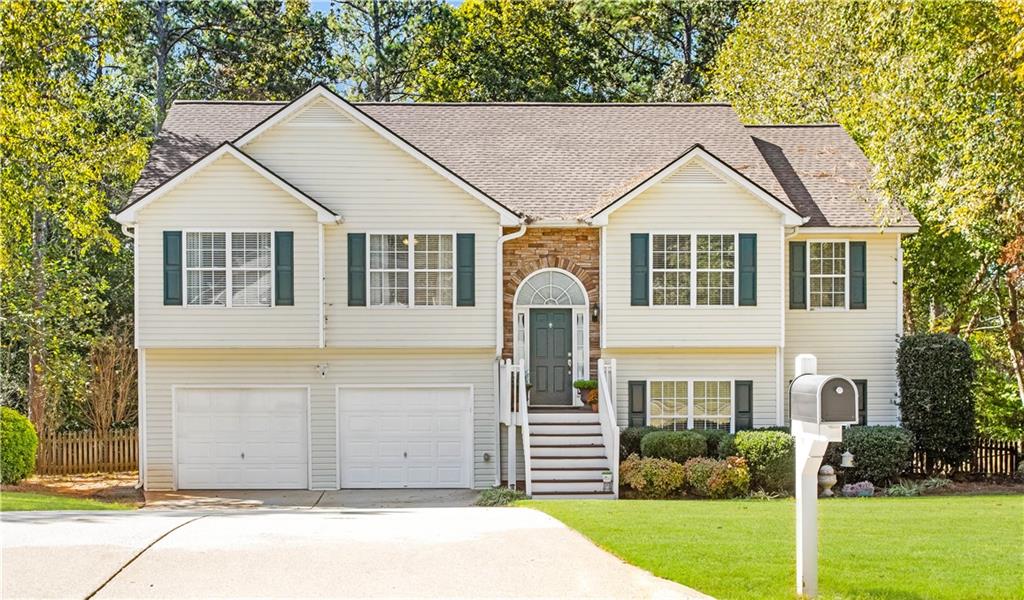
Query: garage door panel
(241, 438)
(419, 437)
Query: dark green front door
(551, 356)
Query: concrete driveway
(462, 552)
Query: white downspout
(128, 229)
(780, 352)
(323, 299)
(499, 339)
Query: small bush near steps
(499, 496)
(652, 477)
(678, 446)
(629, 440)
(18, 444)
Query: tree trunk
(1014, 333)
(378, 56)
(163, 52)
(37, 338)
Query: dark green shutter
(172, 268)
(748, 269)
(357, 269)
(639, 269)
(465, 268)
(862, 401)
(798, 274)
(744, 392)
(637, 403)
(858, 275)
(284, 269)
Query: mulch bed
(106, 487)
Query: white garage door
(405, 437)
(241, 438)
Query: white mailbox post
(819, 406)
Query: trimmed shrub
(770, 457)
(936, 375)
(499, 496)
(881, 453)
(730, 479)
(629, 440)
(652, 477)
(679, 446)
(698, 472)
(727, 446)
(18, 444)
(714, 439)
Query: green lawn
(953, 547)
(31, 501)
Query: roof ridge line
(793, 125)
(551, 104)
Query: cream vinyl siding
(693, 201)
(167, 367)
(753, 364)
(378, 188)
(227, 195)
(860, 344)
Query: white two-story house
(334, 295)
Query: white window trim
(693, 271)
(846, 277)
(227, 268)
(689, 397)
(412, 271)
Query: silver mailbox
(830, 399)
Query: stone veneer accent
(576, 250)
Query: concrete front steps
(567, 453)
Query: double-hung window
(417, 268)
(690, 404)
(693, 269)
(827, 273)
(228, 269)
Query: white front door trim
(174, 420)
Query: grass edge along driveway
(20, 501)
(953, 547)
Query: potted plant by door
(588, 392)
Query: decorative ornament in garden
(826, 479)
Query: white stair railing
(525, 420)
(607, 416)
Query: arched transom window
(551, 288)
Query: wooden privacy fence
(88, 452)
(988, 457)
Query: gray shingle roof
(825, 175)
(564, 161)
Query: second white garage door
(405, 437)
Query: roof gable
(717, 167)
(321, 92)
(129, 214)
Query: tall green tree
(932, 91)
(226, 49)
(661, 48)
(375, 44)
(69, 145)
(509, 50)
